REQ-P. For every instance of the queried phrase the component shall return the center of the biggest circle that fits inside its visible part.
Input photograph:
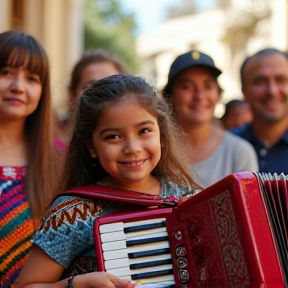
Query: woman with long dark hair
(25, 147)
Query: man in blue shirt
(264, 79)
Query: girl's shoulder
(170, 188)
(67, 209)
(70, 209)
(64, 203)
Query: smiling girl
(124, 138)
(25, 147)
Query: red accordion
(232, 234)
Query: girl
(124, 138)
(25, 147)
(194, 90)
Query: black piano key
(148, 253)
(151, 264)
(146, 240)
(145, 227)
(151, 274)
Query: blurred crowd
(36, 144)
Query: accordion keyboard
(138, 251)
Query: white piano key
(126, 278)
(120, 235)
(144, 247)
(127, 272)
(125, 262)
(146, 232)
(144, 222)
(146, 236)
(116, 254)
(111, 227)
(117, 263)
(118, 226)
(165, 284)
(158, 279)
(114, 236)
(165, 279)
(116, 245)
(139, 233)
(109, 255)
(148, 247)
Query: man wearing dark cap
(264, 79)
(194, 90)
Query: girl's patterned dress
(16, 225)
(66, 233)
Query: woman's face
(92, 73)
(195, 94)
(20, 93)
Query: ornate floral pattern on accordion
(232, 234)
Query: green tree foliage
(107, 26)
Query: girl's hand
(100, 280)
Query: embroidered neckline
(12, 172)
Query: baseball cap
(192, 58)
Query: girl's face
(93, 72)
(195, 94)
(127, 143)
(20, 93)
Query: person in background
(237, 113)
(93, 65)
(124, 137)
(264, 79)
(193, 91)
(26, 153)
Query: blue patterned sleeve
(67, 229)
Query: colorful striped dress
(16, 225)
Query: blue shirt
(272, 159)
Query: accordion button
(183, 275)
(180, 251)
(182, 262)
(178, 235)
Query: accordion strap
(105, 192)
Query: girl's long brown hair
(18, 49)
(81, 169)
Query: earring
(93, 153)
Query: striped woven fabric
(16, 225)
